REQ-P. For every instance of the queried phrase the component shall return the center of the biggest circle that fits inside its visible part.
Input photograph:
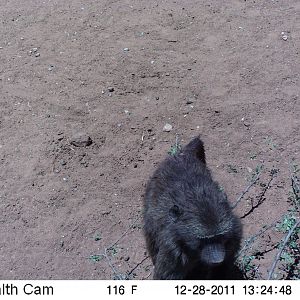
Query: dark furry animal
(190, 230)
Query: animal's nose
(213, 254)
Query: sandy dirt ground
(86, 90)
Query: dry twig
(125, 232)
(261, 198)
(251, 239)
(118, 275)
(137, 265)
(253, 181)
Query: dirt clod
(81, 140)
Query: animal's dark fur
(186, 215)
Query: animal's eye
(175, 212)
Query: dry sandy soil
(118, 71)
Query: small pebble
(37, 54)
(110, 89)
(284, 36)
(167, 127)
(63, 162)
(126, 49)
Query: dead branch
(117, 275)
(138, 264)
(253, 181)
(296, 190)
(261, 197)
(147, 276)
(124, 234)
(252, 239)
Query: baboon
(190, 230)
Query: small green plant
(247, 263)
(290, 256)
(271, 143)
(96, 258)
(137, 226)
(175, 148)
(113, 250)
(287, 258)
(147, 268)
(97, 237)
(248, 267)
(231, 169)
(221, 188)
(255, 174)
(258, 169)
(253, 156)
(288, 221)
(248, 256)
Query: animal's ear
(195, 147)
(175, 212)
